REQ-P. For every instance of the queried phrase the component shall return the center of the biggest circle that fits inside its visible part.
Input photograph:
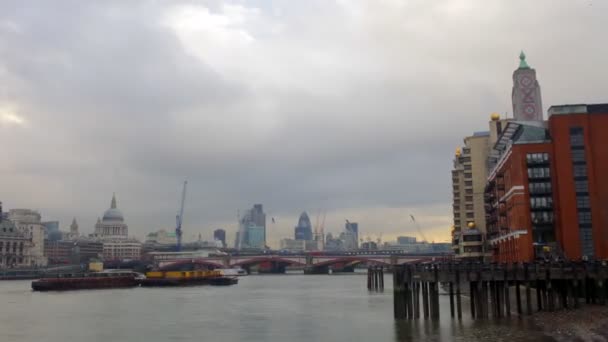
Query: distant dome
(113, 214)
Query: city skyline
(376, 99)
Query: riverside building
(546, 192)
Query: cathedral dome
(113, 214)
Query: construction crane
(320, 230)
(179, 219)
(418, 228)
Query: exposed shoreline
(587, 323)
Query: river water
(299, 308)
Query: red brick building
(548, 189)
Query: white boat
(233, 271)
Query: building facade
(162, 237)
(468, 184)
(256, 236)
(220, 235)
(121, 249)
(28, 223)
(351, 235)
(303, 231)
(14, 245)
(73, 251)
(545, 194)
(252, 229)
(293, 245)
(51, 230)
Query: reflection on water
(513, 329)
(299, 308)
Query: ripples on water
(299, 308)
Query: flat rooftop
(578, 109)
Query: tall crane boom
(179, 220)
(418, 228)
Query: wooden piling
(425, 299)
(435, 292)
(451, 289)
(550, 290)
(558, 286)
(458, 299)
(472, 290)
(528, 294)
(507, 295)
(493, 298)
(416, 300)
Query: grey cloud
(348, 106)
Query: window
(465, 159)
(537, 158)
(541, 202)
(540, 188)
(470, 215)
(541, 217)
(467, 167)
(468, 183)
(576, 137)
(468, 191)
(578, 155)
(580, 170)
(468, 175)
(586, 236)
(468, 198)
(584, 217)
(472, 237)
(582, 202)
(581, 186)
(539, 172)
(469, 207)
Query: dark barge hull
(161, 282)
(65, 284)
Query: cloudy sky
(352, 107)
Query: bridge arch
(262, 259)
(353, 260)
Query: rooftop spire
(522, 61)
(113, 204)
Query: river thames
(300, 308)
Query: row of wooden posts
(490, 288)
(375, 278)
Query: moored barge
(187, 278)
(84, 281)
